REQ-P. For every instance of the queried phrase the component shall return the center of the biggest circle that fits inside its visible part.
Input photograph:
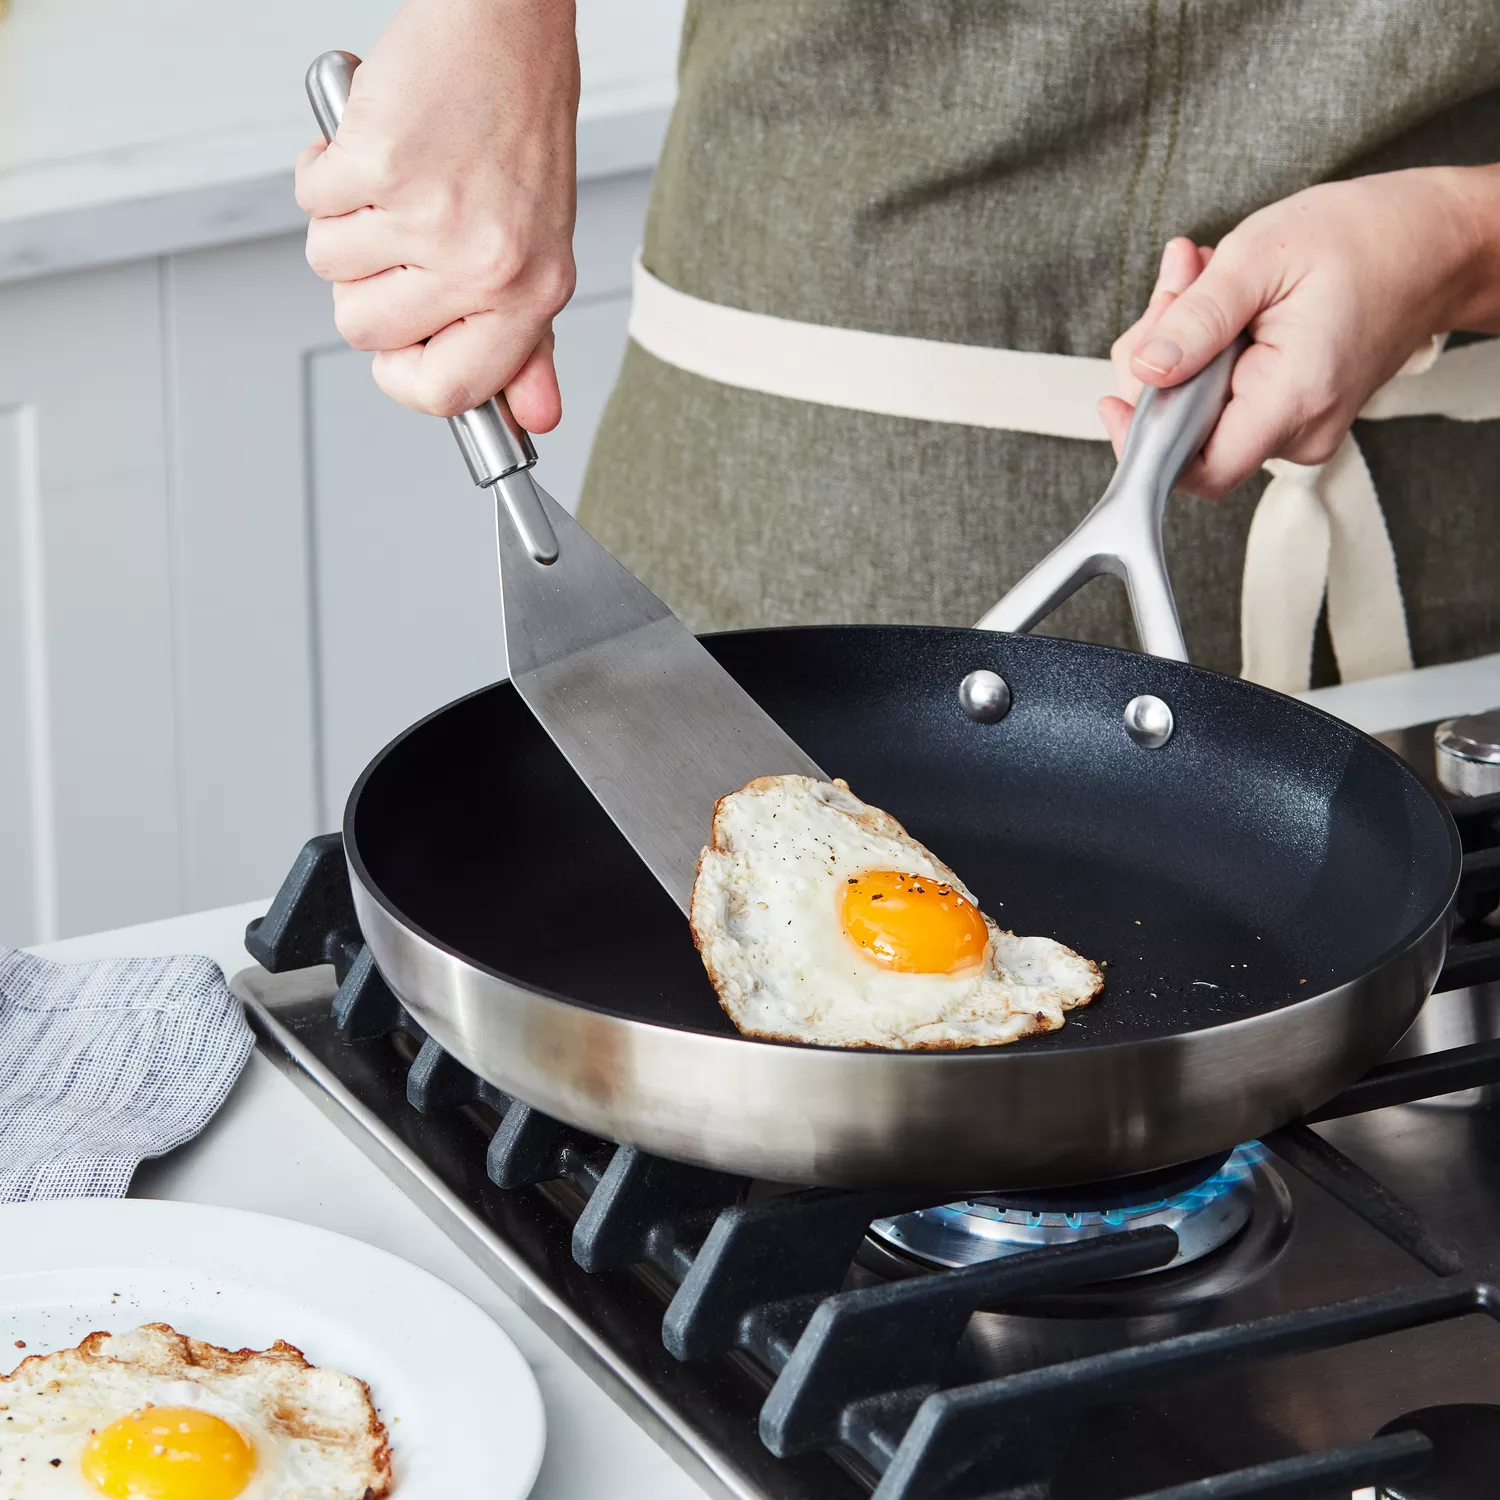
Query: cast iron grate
(870, 1371)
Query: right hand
(1338, 286)
(442, 212)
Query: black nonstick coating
(1266, 853)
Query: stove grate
(868, 1371)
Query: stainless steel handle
(495, 446)
(1122, 533)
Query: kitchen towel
(105, 1064)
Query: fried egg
(153, 1415)
(821, 920)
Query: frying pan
(1267, 888)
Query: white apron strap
(926, 379)
(1286, 574)
(1318, 531)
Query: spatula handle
(493, 443)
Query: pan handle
(1122, 533)
(497, 449)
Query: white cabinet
(88, 768)
(230, 569)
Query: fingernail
(1162, 296)
(1160, 356)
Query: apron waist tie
(1318, 531)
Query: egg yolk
(913, 924)
(169, 1453)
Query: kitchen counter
(123, 136)
(271, 1150)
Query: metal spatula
(654, 726)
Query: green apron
(1006, 175)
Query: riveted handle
(1122, 533)
(493, 443)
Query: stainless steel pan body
(1269, 889)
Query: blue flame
(1237, 1168)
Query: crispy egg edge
(876, 821)
(196, 1352)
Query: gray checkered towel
(104, 1064)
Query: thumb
(533, 394)
(1200, 322)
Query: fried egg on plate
(152, 1415)
(821, 920)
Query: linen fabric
(1006, 176)
(105, 1064)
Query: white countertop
(271, 1150)
(131, 130)
(1381, 703)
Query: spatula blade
(656, 729)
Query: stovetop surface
(1400, 1204)
(1443, 1162)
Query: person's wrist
(1469, 221)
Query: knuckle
(443, 395)
(499, 261)
(318, 259)
(1242, 243)
(1205, 317)
(1215, 484)
(555, 281)
(356, 329)
(1318, 395)
(1316, 446)
(379, 169)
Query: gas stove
(1309, 1315)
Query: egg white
(310, 1428)
(766, 918)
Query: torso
(1006, 174)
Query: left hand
(1339, 285)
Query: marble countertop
(137, 130)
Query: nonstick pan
(1267, 888)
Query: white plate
(460, 1403)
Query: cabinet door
(216, 604)
(89, 828)
(336, 566)
(245, 321)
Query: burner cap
(1206, 1202)
(1468, 754)
(1466, 1460)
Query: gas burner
(1206, 1202)
(1465, 1453)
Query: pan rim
(1417, 935)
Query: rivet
(984, 696)
(1149, 722)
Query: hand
(1339, 285)
(443, 210)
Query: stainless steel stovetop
(1404, 1210)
